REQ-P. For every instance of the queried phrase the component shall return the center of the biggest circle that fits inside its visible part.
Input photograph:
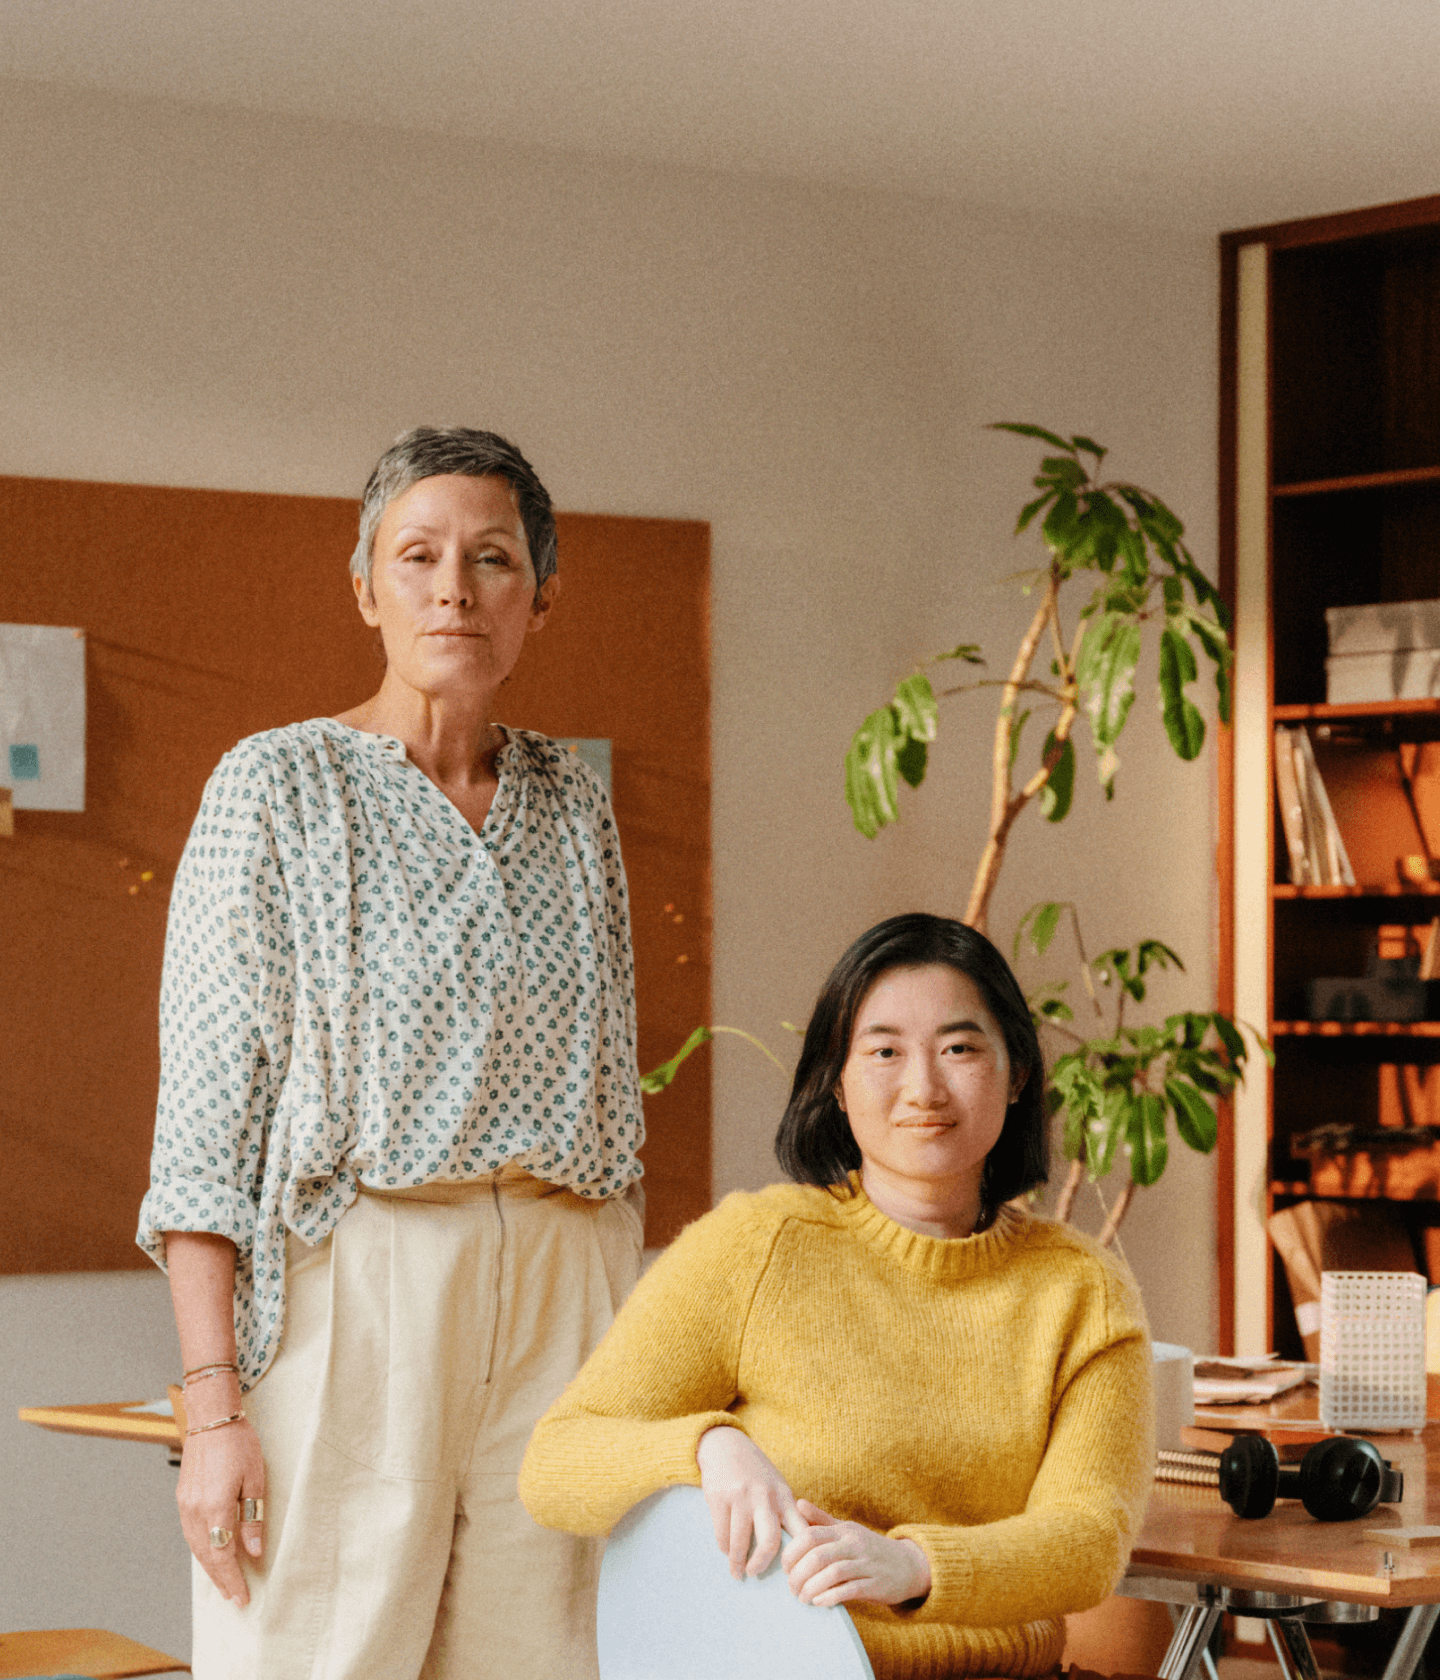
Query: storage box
(1385, 650)
(1404, 674)
(1371, 999)
(1372, 1350)
(1383, 627)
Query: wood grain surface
(1190, 1533)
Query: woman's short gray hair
(427, 451)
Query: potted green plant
(1121, 551)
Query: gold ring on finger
(252, 1510)
(220, 1538)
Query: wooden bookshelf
(1330, 496)
(1387, 890)
(1355, 1029)
(1359, 481)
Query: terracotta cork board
(210, 615)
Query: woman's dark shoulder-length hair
(815, 1144)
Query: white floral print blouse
(360, 989)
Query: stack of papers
(1247, 1382)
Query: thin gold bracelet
(219, 1423)
(212, 1365)
(208, 1371)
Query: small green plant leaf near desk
(1120, 1089)
(1116, 1091)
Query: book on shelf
(1292, 813)
(1312, 836)
(1334, 859)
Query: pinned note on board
(42, 717)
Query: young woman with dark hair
(944, 1400)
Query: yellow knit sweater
(989, 1398)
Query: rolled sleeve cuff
(192, 1204)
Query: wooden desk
(1288, 1568)
(115, 1420)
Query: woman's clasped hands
(827, 1560)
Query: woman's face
(452, 585)
(927, 1080)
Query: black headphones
(1337, 1480)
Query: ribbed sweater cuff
(676, 1442)
(952, 1572)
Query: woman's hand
(836, 1562)
(221, 1467)
(747, 1497)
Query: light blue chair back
(669, 1609)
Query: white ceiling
(1213, 114)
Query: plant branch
(750, 1038)
(1117, 1213)
(1071, 1187)
(1003, 809)
(1030, 686)
(1085, 973)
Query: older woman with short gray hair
(395, 1180)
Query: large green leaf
(1229, 1035)
(1076, 1088)
(889, 744)
(1194, 1117)
(1152, 953)
(1038, 925)
(916, 713)
(1107, 1133)
(1105, 670)
(870, 773)
(1059, 527)
(1021, 429)
(1183, 723)
(1028, 512)
(911, 759)
(1057, 793)
(1145, 1134)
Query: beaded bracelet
(219, 1423)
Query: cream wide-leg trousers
(423, 1339)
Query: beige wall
(238, 301)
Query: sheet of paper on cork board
(42, 716)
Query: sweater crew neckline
(934, 1257)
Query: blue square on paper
(24, 764)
